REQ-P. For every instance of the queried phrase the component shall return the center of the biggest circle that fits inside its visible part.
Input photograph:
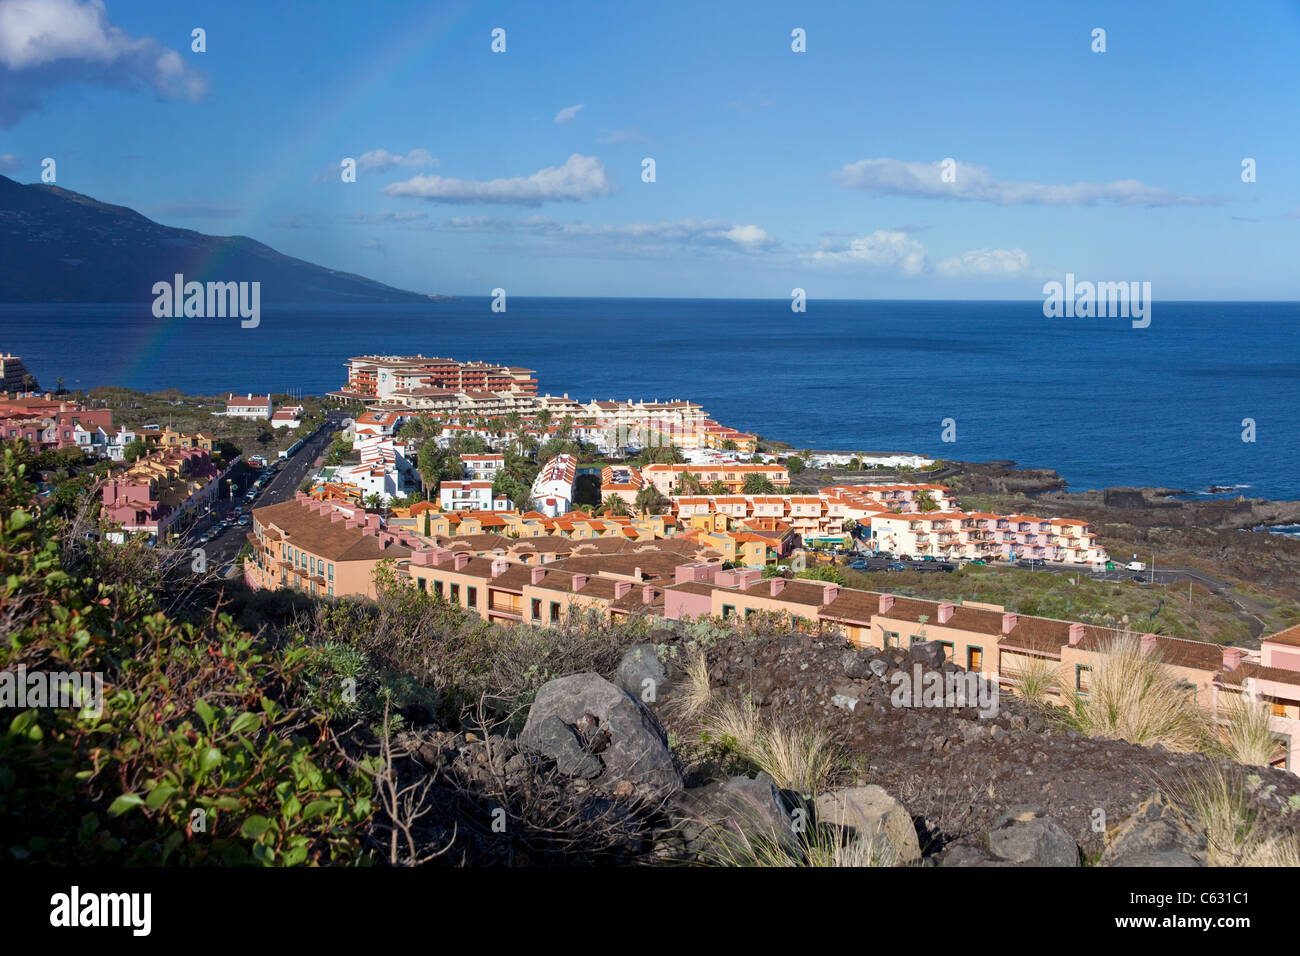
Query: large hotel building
(379, 377)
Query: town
(525, 508)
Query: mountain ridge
(63, 246)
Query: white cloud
(567, 114)
(985, 264)
(388, 216)
(9, 163)
(886, 250)
(579, 179)
(691, 232)
(47, 42)
(898, 178)
(378, 160)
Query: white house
(287, 416)
(248, 406)
(552, 490)
(115, 447)
(483, 467)
(465, 496)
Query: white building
(288, 416)
(385, 469)
(471, 496)
(248, 406)
(483, 467)
(552, 490)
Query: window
(1276, 709)
(974, 658)
(471, 597)
(419, 581)
(455, 594)
(750, 612)
(1082, 678)
(555, 612)
(537, 609)
(947, 649)
(728, 610)
(891, 639)
(331, 570)
(437, 588)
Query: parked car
(947, 567)
(859, 565)
(980, 561)
(896, 566)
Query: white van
(1136, 566)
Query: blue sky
(774, 169)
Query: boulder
(872, 813)
(634, 756)
(561, 743)
(718, 818)
(1156, 834)
(855, 664)
(1027, 837)
(641, 673)
(928, 653)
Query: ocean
(1099, 401)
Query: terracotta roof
(1289, 637)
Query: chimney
(648, 594)
(579, 582)
(499, 567)
(1076, 634)
(621, 588)
(1231, 658)
(636, 573)
(1009, 623)
(830, 592)
(945, 612)
(462, 559)
(778, 585)
(886, 602)
(1148, 644)
(535, 575)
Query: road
(220, 551)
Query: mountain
(61, 246)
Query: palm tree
(925, 501)
(756, 484)
(649, 500)
(566, 428)
(615, 505)
(717, 487)
(688, 483)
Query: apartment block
(1003, 645)
(158, 490)
(250, 406)
(667, 478)
(323, 550)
